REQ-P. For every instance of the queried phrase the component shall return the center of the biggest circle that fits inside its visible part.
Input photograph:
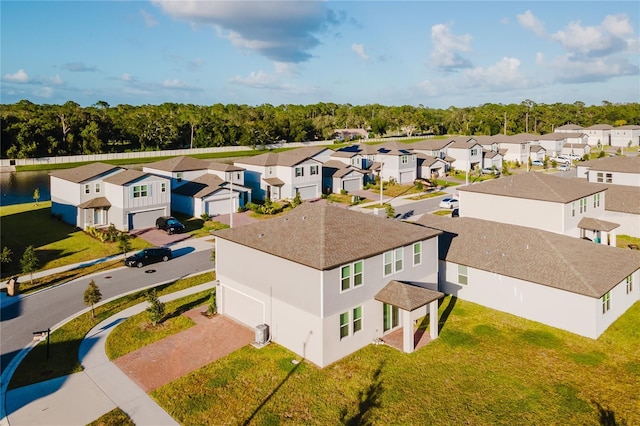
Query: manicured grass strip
(56, 243)
(487, 367)
(115, 417)
(442, 212)
(137, 331)
(623, 241)
(428, 195)
(65, 341)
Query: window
(606, 302)
(97, 188)
(299, 171)
(609, 178)
(179, 176)
(599, 177)
(404, 159)
(357, 319)
(351, 275)
(87, 188)
(140, 191)
(393, 261)
(596, 200)
(629, 282)
(583, 205)
(237, 176)
(573, 209)
(462, 275)
(355, 162)
(474, 151)
(390, 317)
(417, 253)
(163, 187)
(344, 325)
(314, 170)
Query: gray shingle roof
(542, 257)
(201, 186)
(430, 144)
(536, 186)
(319, 235)
(83, 173)
(407, 296)
(621, 198)
(126, 176)
(224, 167)
(597, 224)
(93, 203)
(621, 163)
(179, 164)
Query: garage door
(308, 192)
(406, 177)
(242, 308)
(216, 207)
(351, 184)
(146, 219)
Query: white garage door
(242, 308)
(406, 177)
(215, 207)
(146, 219)
(351, 184)
(308, 192)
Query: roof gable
(85, 172)
(179, 164)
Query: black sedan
(149, 255)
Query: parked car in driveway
(169, 224)
(148, 255)
(537, 163)
(562, 159)
(490, 171)
(449, 203)
(563, 168)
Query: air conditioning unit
(262, 334)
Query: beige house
(539, 200)
(619, 170)
(598, 134)
(625, 136)
(326, 281)
(563, 282)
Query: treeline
(29, 130)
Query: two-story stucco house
(466, 152)
(99, 194)
(598, 134)
(563, 282)
(178, 169)
(625, 136)
(538, 200)
(397, 162)
(568, 128)
(513, 148)
(323, 290)
(619, 170)
(283, 175)
(555, 142)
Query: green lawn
(623, 241)
(56, 242)
(486, 368)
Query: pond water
(18, 187)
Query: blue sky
(434, 53)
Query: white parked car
(564, 167)
(562, 159)
(449, 203)
(537, 163)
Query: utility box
(13, 287)
(262, 334)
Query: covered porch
(599, 231)
(412, 301)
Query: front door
(390, 317)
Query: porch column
(407, 332)
(433, 319)
(612, 238)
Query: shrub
(343, 192)
(155, 308)
(205, 217)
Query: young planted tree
(92, 296)
(155, 308)
(212, 309)
(123, 243)
(5, 255)
(29, 262)
(36, 195)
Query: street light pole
(231, 202)
(381, 164)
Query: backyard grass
(487, 367)
(428, 195)
(65, 341)
(623, 241)
(115, 417)
(56, 242)
(196, 227)
(137, 331)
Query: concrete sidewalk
(83, 397)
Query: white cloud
(56, 80)
(273, 29)
(127, 77)
(530, 22)
(174, 84)
(150, 21)
(359, 49)
(286, 68)
(503, 75)
(44, 92)
(258, 80)
(539, 58)
(446, 47)
(18, 77)
(78, 67)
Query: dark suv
(149, 255)
(169, 224)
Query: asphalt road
(47, 308)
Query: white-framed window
(344, 325)
(299, 171)
(351, 275)
(140, 191)
(583, 205)
(357, 319)
(87, 188)
(393, 261)
(608, 178)
(97, 187)
(388, 263)
(179, 176)
(606, 302)
(237, 176)
(629, 284)
(163, 187)
(355, 162)
(600, 177)
(398, 254)
(314, 170)
(474, 151)
(596, 200)
(404, 159)
(463, 278)
(417, 253)
(573, 209)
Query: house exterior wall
(393, 167)
(253, 179)
(173, 176)
(625, 137)
(629, 222)
(220, 196)
(65, 196)
(464, 159)
(617, 178)
(123, 202)
(572, 312)
(293, 183)
(553, 147)
(516, 151)
(598, 136)
(183, 204)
